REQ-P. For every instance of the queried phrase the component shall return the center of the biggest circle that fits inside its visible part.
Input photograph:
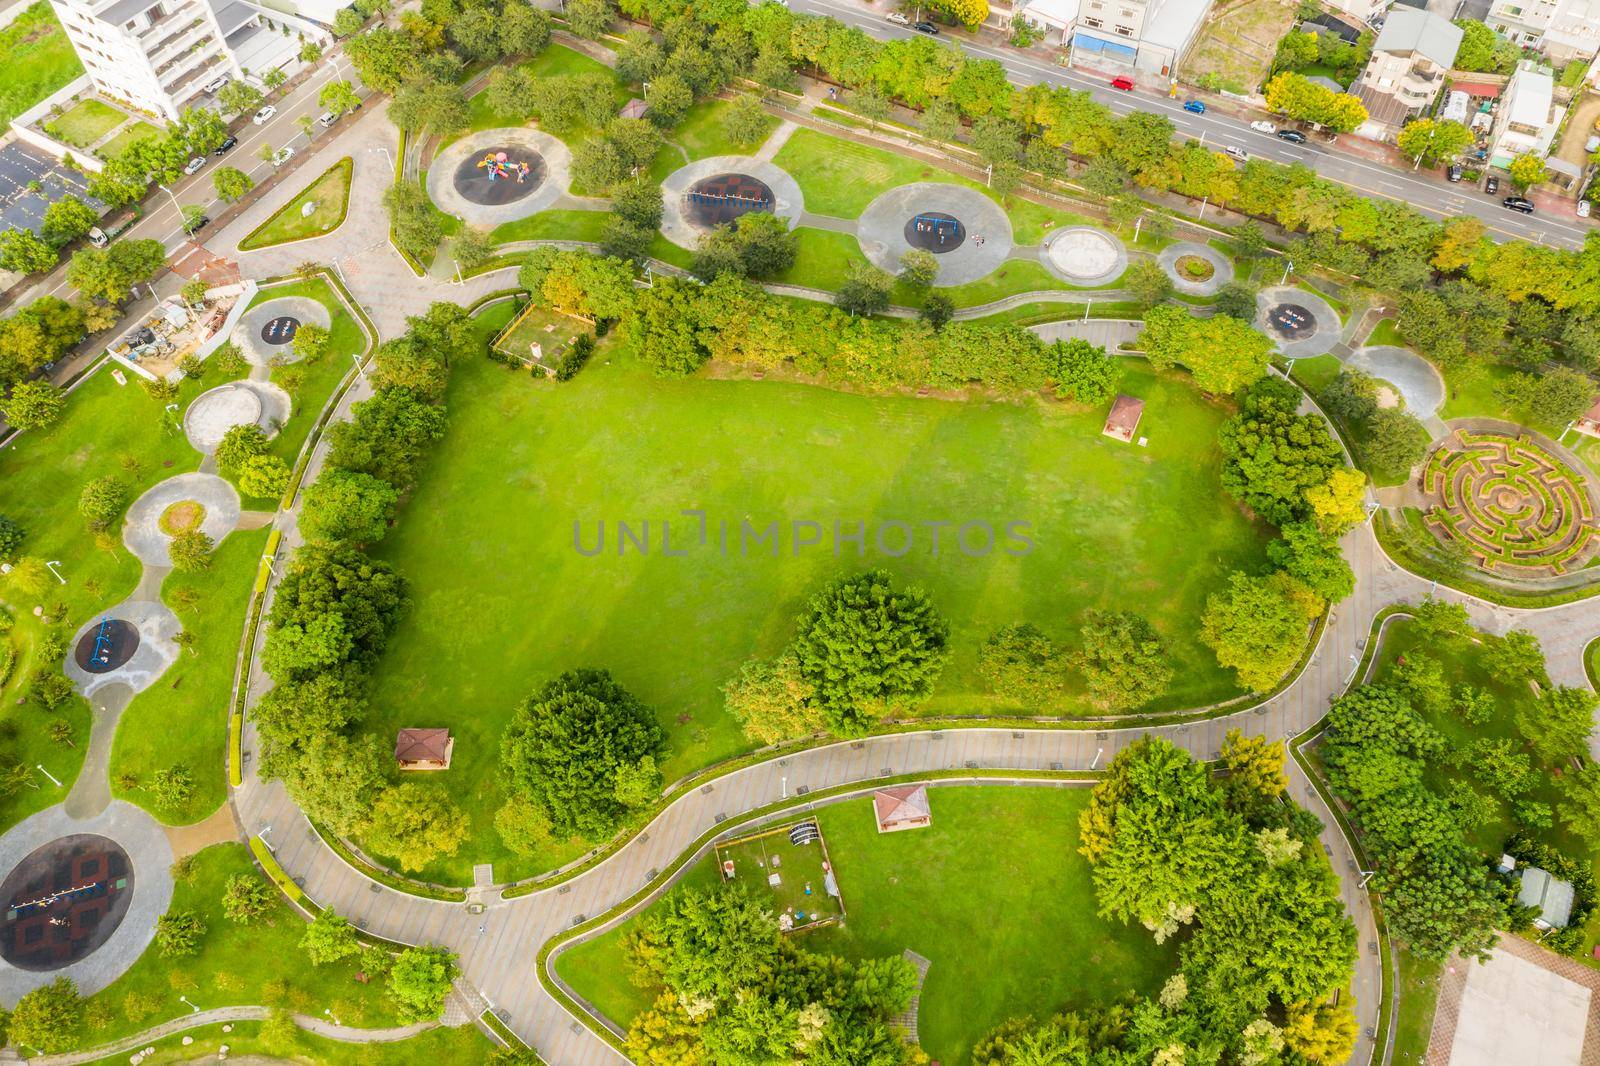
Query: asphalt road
(1427, 193)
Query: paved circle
(63, 901)
(265, 333)
(1084, 255)
(208, 419)
(722, 198)
(477, 201)
(1174, 254)
(106, 645)
(142, 532)
(1300, 322)
(883, 227)
(1418, 380)
(683, 225)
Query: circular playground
(265, 333)
(716, 191)
(238, 403)
(106, 646)
(142, 531)
(1512, 501)
(63, 901)
(722, 199)
(1300, 322)
(1196, 269)
(967, 230)
(1291, 321)
(1084, 255)
(497, 176)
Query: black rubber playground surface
(724, 197)
(106, 646)
(936, 232)
(485, 179)
(1292, 321)
(63, 901)
(280, 330)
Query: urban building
(1562, 29)
(1149, 36)
(1409, 61)
(1527, 117)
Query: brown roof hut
(424, 749)
(902, 807)
(1123, 421)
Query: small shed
(1123, 421)
(424, 749)
(1551, 895)
(902, 807)
(634, 108)
(1589, 421)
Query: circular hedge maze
(1516, 507)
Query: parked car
(1120, 82)
(326, 119)
(926, 27)
(1453, 172)
(1292, 136)
(1237, 153)
(1261, 126)
(194, 165)
(282, 156)
(264, 114)
(1492, 186)
(897, 18)
(1197, 107)
(215, 84)
(197, 225)
(1584, 207)
(1519, 203)
(227, 143)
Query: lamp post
(1097, 753)
(52, 564)
(48, 774)
(192, 1007)
(329, 1012)
(1287, 268)
(385, 150)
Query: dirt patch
(1580, 127)
(1195, 268)
(1236, 47)
(181, 517)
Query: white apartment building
(1562, 29)
(159, 55)
(1143, 35)
(1409, 62)
(1526, 118)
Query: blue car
(1197, 106)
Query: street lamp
(329, 1012)
(192, 1007)
(385, 150)
(1287, 268)
(52, 564)
(1097, 753)
(48, 774)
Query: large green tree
(1224, 354)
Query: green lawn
(118, 144)
(330, 193)
(994, 894)
(554, 60)
(85, 122)
(38, 60)
(1474, 391)
(183, 719)
(22, 725)
(840, 177)
(702, 135)
(487, 543)
(553, 226)
(1385, 333)
(466, 1044)
(261, 963)
(1419, 991)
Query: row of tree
(1233, 872)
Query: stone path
(1221, 267)
(906, 1020)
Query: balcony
(174, 72)
(176, 42)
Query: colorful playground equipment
(943, 229)
(499, 165)
(102, 644)
(718, 199)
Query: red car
(1125, 84)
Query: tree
(1236, 299)
(1527, 170)
(11, 537)
(919, 269)
(1255, 771)
(567, 744)
(172, 787)
(1339, 504)
(865, 290)
(1272, 457)
(417, 230)
(415, 823)
(638, 202)
(1579, 807)
(1515, 657)
(970, 13)
(1430, 140)
(1321, 1033)
(510, 93)
(1224, 354)
(937, 310)
(48, 1018)
(25, 253)
(334, 779)
(746, 122)
(1300, 98)
(523, 825)
(33, 405)
(347, 506)
(1312, 556)
(1257, 627)
(178, 934)
(1147, 283)
(102, 501)
(1122, 660)
(869, 649)
(190, 551)
(1022, 666)
(1557, 724)
(1083, 372)
(523, 30)
(329, 938)
(707, 946)
(263, 476)
(108, 274)
(338, 98)
(66, 220)
(772, 701)
(237, 97)
(231, 184)
(419, 981)
(590, 18)
(246, 898)
(1561, 395)
(238, 444)
(388, 435)
(1394, 442)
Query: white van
(326, 119)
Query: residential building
(1551, 895)
(1149, 36)
(1527, 117)
(1562, 29)
(159, 55)
(1409, 61)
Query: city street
(1428, 193)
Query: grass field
(488, 543)
(701, 134)
(799, 888)
(1475, 391)
(994, 894)
(118, 144)
(183, 718)
(38, 59)
(86, 122)
(1386, 333)
(553, 226)
(540, 325)
(244, 1043)
(22, 724)
(261, 963)
(331, 194)
(840, 177)
(1419, 992)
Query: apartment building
(1409, 61)
(1142, 35)
(1526, 119)
(1562, 29)
(159, 55)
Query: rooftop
(1551, 895)
(901, 804)
(1410, 31)
(422, 745)
(1528, 96)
